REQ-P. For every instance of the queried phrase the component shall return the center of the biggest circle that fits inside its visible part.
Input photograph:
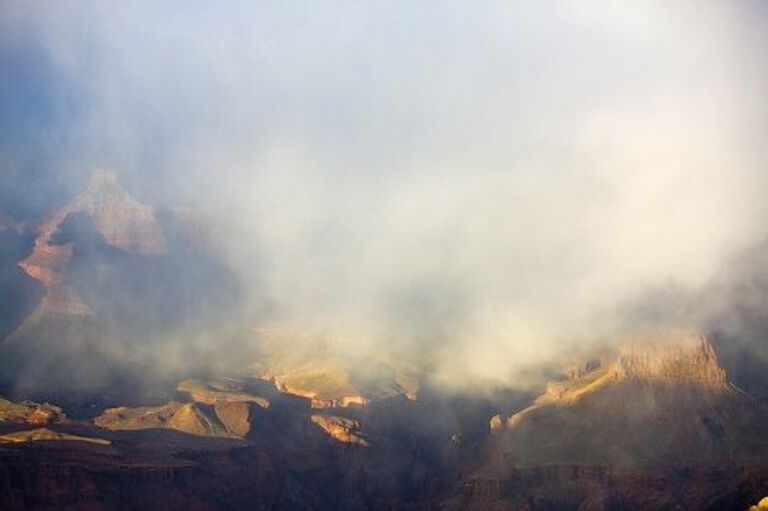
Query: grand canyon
(383, 256)
(653, 423)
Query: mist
(473, 192)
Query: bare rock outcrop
(124, 223)
(660, 399)
(222, 419)
(677, 357)
(234, 416)
(323, 382)
(31, 413)
(342, 429)
(228, 390)
(324, 378)
(48, 435)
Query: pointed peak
(125, 222)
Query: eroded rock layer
(659, 400)
(122, 221)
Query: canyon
(654, 422)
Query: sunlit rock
(121, 220)
(227, 390)
(323, 377)
(760, 506)
(30, 413)
(342, 429)
(48, 435)
(189, 418)
(661, 398)
(496, 424)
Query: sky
(480, 189)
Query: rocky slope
(62, 343)
(230, 390)
(47, 435)
(191, 418)
(342, 429)
(222, 450)
(656, 426)
(318, 373)
(30, 413)
(662, 399)
(723, 486)
(122, 221)
(191, 455)
(113, 285)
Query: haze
(478, 191)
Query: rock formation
(191, 418)
(228, 390)
(104, 285)
(124, 223)
(343, 429)
(325, 384)
(48, 435)
(30, 413)
(327, 380)
(677, 357)
(661, 399)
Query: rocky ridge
(30, 413)
(48, 435)
(662, 398)
(124, 223)
(343, 429)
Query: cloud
(479, 190)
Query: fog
(476, 192)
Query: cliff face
(661, 399)
(224, 450)
(114, 282)
(343, 429)
(657, 425)
(79, 476)
(718, 487)
(325, 384)
(186, 456)
(123, 222)
(228, 390)
(206, 421)
(47, 264)
(47, 435)
(219, 408)
(29, 413)
(677, 357)
(315, 372)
